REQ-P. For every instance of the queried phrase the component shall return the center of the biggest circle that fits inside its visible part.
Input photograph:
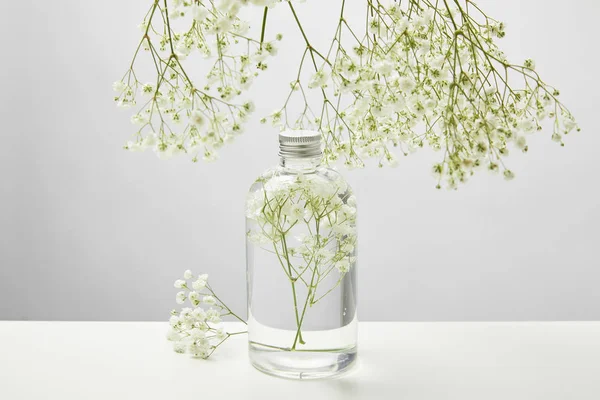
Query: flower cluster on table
(197, 330)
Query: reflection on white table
(397, 360)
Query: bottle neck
(303, 165)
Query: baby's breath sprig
(196, 330)
(420, 72)
(423, 72)
(179, 115)
(308, 223)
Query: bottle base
(302, 364)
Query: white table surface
(397, 360)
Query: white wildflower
(180, 298)
(213, 316)
(179, 284)
(194, 298)
(343, 265)
(173, 335)
(200, 283)
(221, 334)
(119, 86)
(200, 350)
(179, 347)
(139, 119)
(529, 64)
(406, 84)
(197, 334)
(199, 12)
(319, 79)
(199, 314)
(197, 118)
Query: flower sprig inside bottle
(308, 223)
(180, 114)
(197, 329)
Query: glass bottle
(301, 265)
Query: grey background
(91, 232)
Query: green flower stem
(311, 290)
(222, 341)
(216, 346)
(313, 301)
(297, 350)
(289, 265)
(168, 27)
(145, 36)
(237, 333)
(281, 262)
(298, 320)
(225, 306)
(288, 272)
(313, 51)
(264, 26)
(272, 347)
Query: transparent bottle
(301, 265)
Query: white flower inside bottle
(301, 265)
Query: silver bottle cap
(300, 144)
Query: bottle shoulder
(319, 175)
(322, 182)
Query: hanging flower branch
(178, 115)
(420, 72)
